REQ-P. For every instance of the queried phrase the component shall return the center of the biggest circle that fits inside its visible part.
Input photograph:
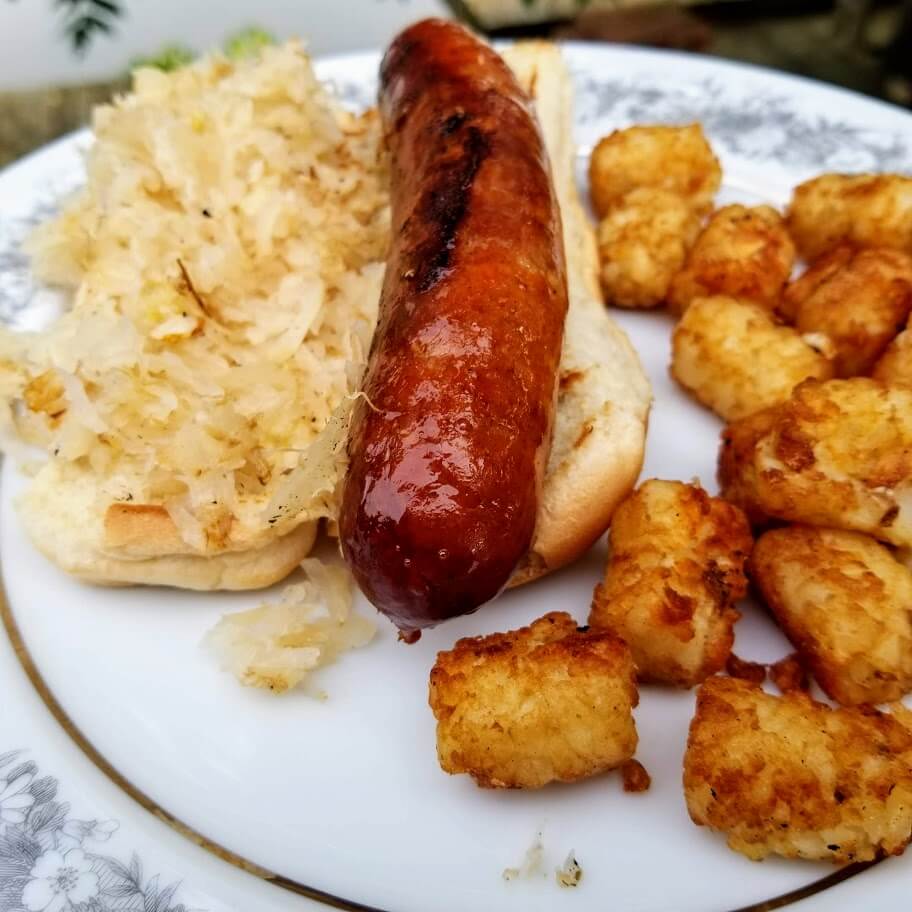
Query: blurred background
(60, 57)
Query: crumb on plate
(569, 874)
(744, 670)
(635, 777)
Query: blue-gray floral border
(53, 861)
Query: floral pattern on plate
(19, 292)
(50, 861)
(763, 126)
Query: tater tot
(845, 603)
(546, 702)
(895, 365)
(867, 210)
(859, 306)
(677, 159)
(742, 252)
(642, 244)
(793, 777)
(822, 270)
(675, 571)
(735, 359)
(736, 472)
(837, 454)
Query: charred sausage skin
(448, 449)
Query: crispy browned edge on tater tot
(734, 358)
(836, 454)
(544, 703)
(895, 365)
(845, 603)
(858, 300)
(793, 777)
(675, 571)
(743, 252)
(865, 210)
(673, 158)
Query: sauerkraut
(275, 646)
(225, 260)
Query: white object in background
(34, 51)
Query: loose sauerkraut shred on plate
(225, 260)
(276, 645)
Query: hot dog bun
(603, 405)
(65, 516)
(595, 458)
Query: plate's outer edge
(771, 129)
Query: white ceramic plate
(345, 797)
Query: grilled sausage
(448, 448)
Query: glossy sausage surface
(448, 451)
